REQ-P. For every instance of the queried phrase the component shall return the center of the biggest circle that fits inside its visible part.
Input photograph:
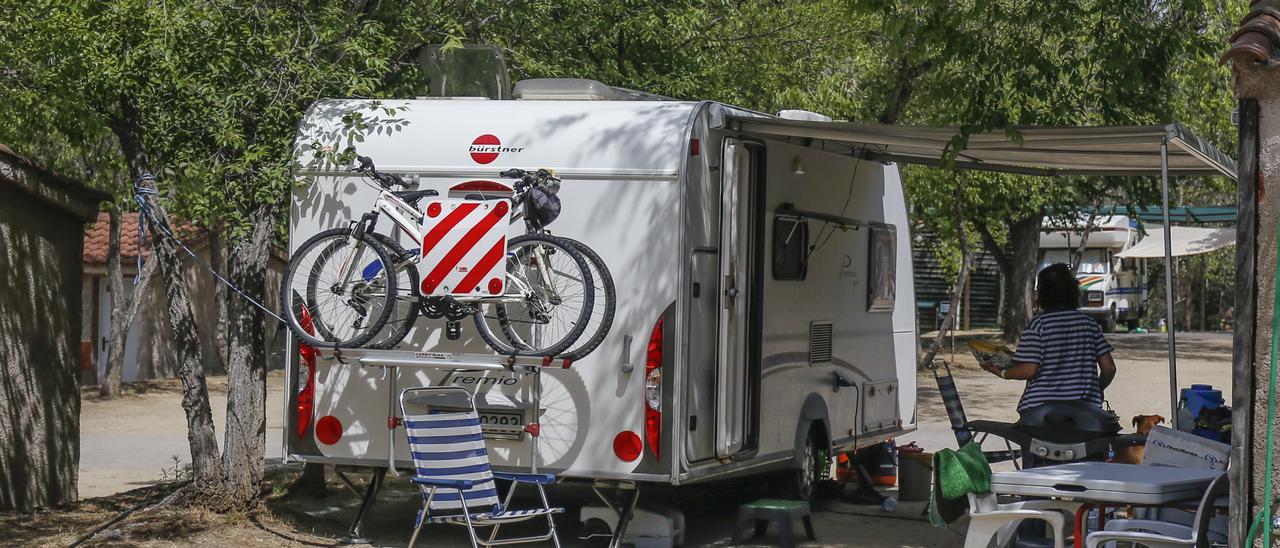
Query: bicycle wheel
(408, 299)
(347, 294)
(604, 306)
(547, 302)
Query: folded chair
(966, 430)
(452, 469)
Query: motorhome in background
(765, 314)
(1112, 290)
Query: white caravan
(1111, 288)
(764, 289)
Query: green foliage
(994, 64)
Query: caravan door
(737, 375)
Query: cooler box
(1126, 483)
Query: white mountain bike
(337, 293)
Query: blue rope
(144, 217)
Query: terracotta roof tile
(1258, 39)
(97, 238)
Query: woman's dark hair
(1057, 288)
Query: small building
(149, 352)
(42, 217)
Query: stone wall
(1263, 85)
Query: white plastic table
(1105, 483)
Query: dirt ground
(129, 446)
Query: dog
(1142, 424)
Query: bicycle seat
(411, 197)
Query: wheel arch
(812, 413)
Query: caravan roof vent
(577, 89)
(809, 115)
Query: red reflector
(434, 209)
(495, 286)
(480, 187)
(627, 445)
(695, 146)
(328, 430)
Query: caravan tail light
(306, 377)
(653, 391)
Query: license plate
(501, 425)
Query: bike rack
(440, 360)
(390, 361)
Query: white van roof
(579, 139)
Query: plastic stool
(763, 511)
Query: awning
(1185, 241)
(1047, 151)
(1155, 214)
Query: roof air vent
(577, 89)
(807, 115)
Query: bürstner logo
(485, 149)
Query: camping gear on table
(1193, 401)
(1169, 447)
(451, 469)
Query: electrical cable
(843, 209)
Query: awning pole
(1168, 282)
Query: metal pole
(1168, 282)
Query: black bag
(543, 206)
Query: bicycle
(544, 305)
(602, 310)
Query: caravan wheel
(801, 483)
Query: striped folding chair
(966, 430)
(451, 469)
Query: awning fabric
(1155, 214)
(1048, 151)
(1186, 241)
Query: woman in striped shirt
(1062, 354)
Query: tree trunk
(218, 258)
(245, 442)
(958, 289)
(123, 309)
(206, 469)
(1078, 255)
(109, 384)
(1024, 243)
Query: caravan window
(883, 269)
(790, 248)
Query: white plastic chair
(989, 519)
(1163, 534)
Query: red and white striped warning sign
(464, 247)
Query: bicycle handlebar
(387, 180)
(542, 176)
